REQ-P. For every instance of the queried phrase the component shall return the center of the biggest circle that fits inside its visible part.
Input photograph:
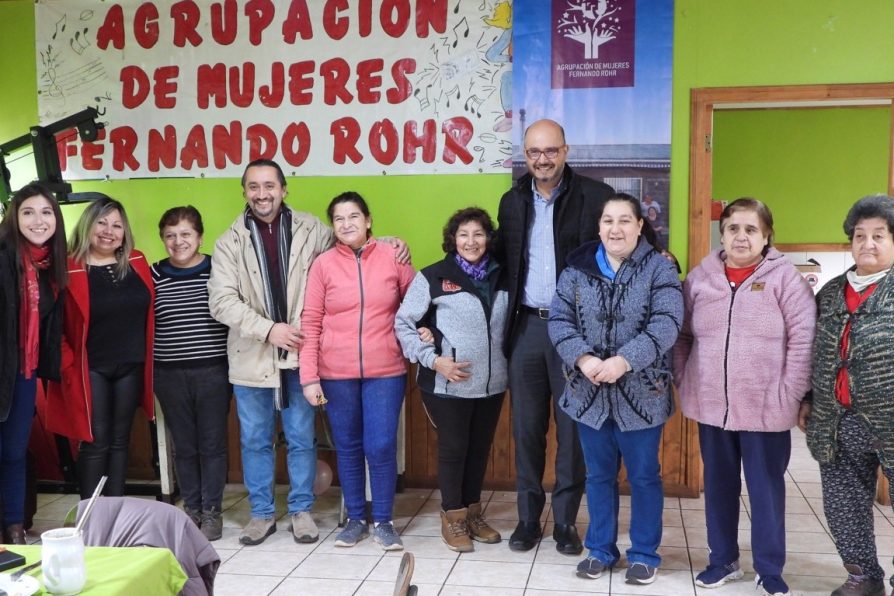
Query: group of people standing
(570, 303)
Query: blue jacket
(637, 316)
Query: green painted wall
(413, 207)
(808, 165)
(719, 43)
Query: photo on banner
(193, 88)
(602, 69)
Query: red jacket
(348, 316)
(68, 408)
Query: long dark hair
(10, 232)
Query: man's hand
(283, 335)
(312, 393)
(804, 415)
(454, 372)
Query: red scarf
(36, 258)
(853, 300)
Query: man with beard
(548, 213)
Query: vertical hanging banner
(325, 87)
(602, 69)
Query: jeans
(116, 392)
(364, 414)
(466, 429)
(603, 450)
(257, 423)
(764, 457)
(196, 403)
(14, 434)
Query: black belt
(540, 313)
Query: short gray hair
(881, 206)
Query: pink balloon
(323, 480)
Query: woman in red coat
(107, 346)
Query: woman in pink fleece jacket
(742, 367)
(351, 355)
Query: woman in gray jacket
(462, 373)
(617, 311)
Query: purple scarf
(477, 271)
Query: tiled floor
(282, 567)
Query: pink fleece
(755, 381)
(334, 345)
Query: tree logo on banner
(591, 24)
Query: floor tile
(484, 574)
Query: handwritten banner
(325, 87)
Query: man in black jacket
(548, 213)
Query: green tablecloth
(133, 571)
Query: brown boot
(14, 534)
(455, 530)
(478, 528)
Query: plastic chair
(129, 521)
(402, 586)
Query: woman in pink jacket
(742, 367)
(351, 355)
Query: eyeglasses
(549, 152)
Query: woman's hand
(612, 369)
(590, 366)
(402, 249)
(426, 335)
(804, 415)
(313, 393)
(455, 372)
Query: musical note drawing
(422, 98)
(86, 15)
(79, 42)
(450, 92)
(456, 8)
(60, 26)
(463, 23)
(480, 150)
(473, 105)
(49, 60)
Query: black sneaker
(590, 568)
(717, 575)
(640, 574)
(773, 585)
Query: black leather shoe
(525, 536)
(567, 540)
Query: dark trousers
(196, 403)
(14, 434)
(466, 429)
(849, 484)
(117, 390)
(764, 457)
(536, 383)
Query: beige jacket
(236, 297)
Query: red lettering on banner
(145, 28)
(66, 145)
(430, 13)
(134, 86)
(457, 134)
(345, 132)
(124, 141)
(91, 159)
(260, 15)
(166, 86)
(364, 12)
(402, 86)
(162, 148)
(271, 95)
(186, 15)
(211, 80)
(297, 22)
(395, 17)
(242, 96)
(112, 29)
(368, 81)
(335, 73)
(195, 150)
(384, 130)
(223, 22)
(261, 142)
(336, 26)
(301, 83)
(227, 144)
(412, 141)
(296, 143)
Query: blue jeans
(14, 434)
(257, 419)
(364, 414)
(603, 450)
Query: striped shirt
(185, 332)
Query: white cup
(62, 556)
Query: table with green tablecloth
(111, 570)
